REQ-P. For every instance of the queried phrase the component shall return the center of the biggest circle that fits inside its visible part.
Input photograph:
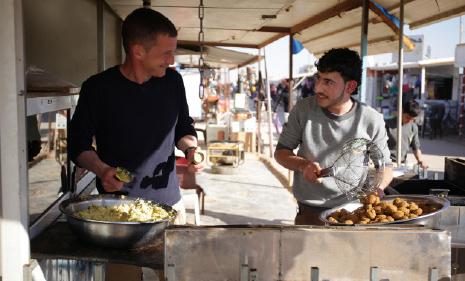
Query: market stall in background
(433, 83)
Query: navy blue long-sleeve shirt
(136, 126)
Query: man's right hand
(107, 174)
(109, 181)
(311, 171)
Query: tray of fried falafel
(392, 209)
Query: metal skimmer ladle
(358, 169)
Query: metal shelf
(48, 93)
(51, 103)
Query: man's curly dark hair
(344, 61)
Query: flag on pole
(296, 46)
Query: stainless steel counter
(297, 253)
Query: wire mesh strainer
(359, 168)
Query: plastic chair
(187, 181)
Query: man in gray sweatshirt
(320, 125)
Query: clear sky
(442, 37)
(277, 54)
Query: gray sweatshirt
(320, 135)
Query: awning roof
(188, 56)
(344, 30)
(321, 24)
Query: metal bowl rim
(70, 201)
(444, 201)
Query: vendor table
(250, 253)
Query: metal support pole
(244, 272)
(268, 101)
(260, 90)
(423, 96)
(201, 39)
(461, 105)
(259, 127)
(291, 38)
(363, 51)
(401, 78)
(433, 274)
(374, 273)
(170, 273)
(314, 273)
(461, 88)
(423, 84)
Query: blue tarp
(393, 18)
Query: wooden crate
(247, 138)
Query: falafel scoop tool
(359, 168)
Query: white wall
(113, 39)
(14, 239)
(191, 83)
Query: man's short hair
(143, 25)
(344, 61)
(411, 108)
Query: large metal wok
(428, 220)
(111, 234)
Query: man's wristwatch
(189, 149)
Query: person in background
(274, 99)
(283, 92)
(308, 87)
(319, 126)
(137, 113)
(410, 138)
(279, 106)
(437, 114)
